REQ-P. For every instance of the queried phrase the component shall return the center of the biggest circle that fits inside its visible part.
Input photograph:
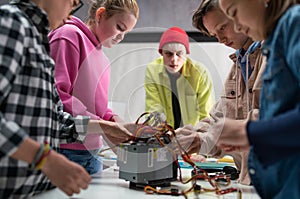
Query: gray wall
(3, 1)
(157, 14)
(167, 13)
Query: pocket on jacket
(229, 91)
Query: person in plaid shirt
(30, 109)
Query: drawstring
(246, 82)
(251, 50)
(246, 73)
(236, 88)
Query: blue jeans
(88, 159)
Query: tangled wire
(155, 128)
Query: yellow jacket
(194, 87)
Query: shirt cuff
(81, 123)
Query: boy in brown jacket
(240, 97)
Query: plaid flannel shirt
(29, 102)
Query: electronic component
(148, 160)
(230, 171)
(146, 163)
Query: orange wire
(160, 130)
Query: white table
(108, 185)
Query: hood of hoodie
(83, 28)
(251, 48)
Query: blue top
(241, 55)
(282, 127)
(280, 94)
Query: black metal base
(141, 186)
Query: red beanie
(174, 35)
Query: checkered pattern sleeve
(29, 102)
(73, 129)
(11, 51)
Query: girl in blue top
(274, 139)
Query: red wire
(160, 130)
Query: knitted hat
(174, 35)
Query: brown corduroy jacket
(234, 104)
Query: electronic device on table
(144, 161)
(146, 164)
(148, 161)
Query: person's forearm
(281, 130)
(94, 127)
(275, 137)
(208, 146)
(27, 150)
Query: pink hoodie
(82, 74)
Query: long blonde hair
(112, 7)
(274, 11)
